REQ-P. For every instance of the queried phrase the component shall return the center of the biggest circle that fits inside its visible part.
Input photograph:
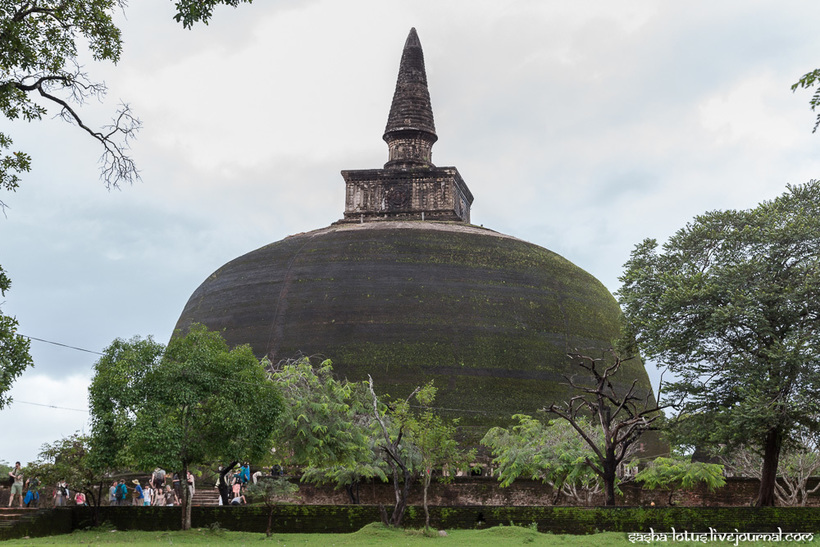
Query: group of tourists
(160, 489)
(157, 491)
(18, 484)
(232, 485)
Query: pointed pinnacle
(411, 107)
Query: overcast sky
(583, 127)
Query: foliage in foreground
(680, 474)
(272, 491)
(326, 427)
(68, 459)
(342, 432)
(551, 452)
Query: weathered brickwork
(437, 193)
(486, 491)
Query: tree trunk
(353, 492)
(610, 475)
(401, 504)
(96, 501)
(768, 474)
(268, 532)
(426, 510)
(186, 497)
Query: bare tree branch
(622, 417)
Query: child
(170, 497)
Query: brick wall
(486, 491)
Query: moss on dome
(489, 317)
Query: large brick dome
(489, 317)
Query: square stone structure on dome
(409, 187)
(434, 193)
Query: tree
(675, 474)
(622, 417)
(69, 459)
(553, 453)
(392, 423)
(326, 426)
(14, 349)
(351, 475)
(435, 442)
(317, 427)
(413, 443)
(200, 402)
(731, 305)
(272, 491)
(118, 390)
(40, 68)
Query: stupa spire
(410, 131)
(409, 187)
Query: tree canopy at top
(731, 305)
(39, 68)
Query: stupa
(405, 289)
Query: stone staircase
(205, 496)
(10, 516)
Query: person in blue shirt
(139, 498)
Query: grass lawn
(374, 534)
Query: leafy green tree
(40, 69)
(622, 415)
(272, 491)
(318, 426)
(200, 402)
(69, 459)
(553, 453)
(413, 444)
(14, 349)
(434, 439)
(118, 390)
(731, 306)
(325, 427)
(351, 475)
(680, 474)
